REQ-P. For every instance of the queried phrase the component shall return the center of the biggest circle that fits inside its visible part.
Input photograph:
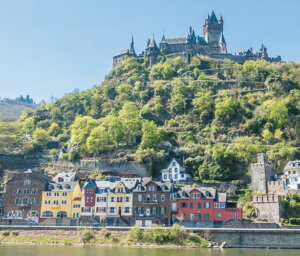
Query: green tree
(40, 136)
(151, 135)
(81, 129)
(130, 118)
(116, 131)
(54, 129)
(226, 108)
(98, 140)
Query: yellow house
(61, 200)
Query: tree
(226, 109)
(151, 137)
(81, 129)
(98, 140)
(40, 136)
(116, 131)
(203, 104)
(54, 129)
(277, 112)
(130, 118)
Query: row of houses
(66, 200)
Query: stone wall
(268, 207)
(277, 187)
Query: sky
(49, 48)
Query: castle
(212, 44)
(269, 188)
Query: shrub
(15, 233)
(298, 221)
(136, 234)
(105, 233)
(293, 221)
(87, 236)
(178, 234)
(157, 235)
(67, 243)
(6, 232)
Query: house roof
(65, 176)
(178, 40)
(208, 192)
(292, 165)
(62, 186)
(222, 197)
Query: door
(139, 223)
(120, 210)
(148, 223)
(192, 217)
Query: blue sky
(49, 48)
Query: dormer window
(174, 163)
(207, 194)
(67, 186)
(60, 179)
(59, 186)
(140, 188)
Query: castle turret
(131, 50)
(222, 44)
(261, 173)
(152, 51)
(213, 32)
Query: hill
(215, 114)
(11, 110)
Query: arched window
(27, 182)
(32, 214)
(61, 214)
(59, 186)
(47, 214)
(207, 194)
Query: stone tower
(213, 30)
(261, 173)
(152, 51)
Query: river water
(20, 250)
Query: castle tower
(152, 51)
(261, 173)
(222, 44)
(213, 33)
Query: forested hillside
(215, 114)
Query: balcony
(150, 202)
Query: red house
(195, 206)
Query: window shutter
(97, 209)
(104, 199)
(82, 209)
(104, 209)
(151, 210)
(159, 210)
(165, 210)
(137, 210)
(142, 210)
(89, 209)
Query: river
(28, 250)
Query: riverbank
(176, 237)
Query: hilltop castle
(212, 44)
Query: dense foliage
(215, 113)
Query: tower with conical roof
(152, 51)
(213, 33)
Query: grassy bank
(176, 236)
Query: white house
(175, 172)
(291, 175)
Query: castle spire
(131, 50)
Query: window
(119, 199)
(162, 197)
(206, 216)
(154, 198)
(27, 182)
(112, 199)
(32, 201)
(91, 199)
(199, 216)
(26, 191)
(127, 199)
(140, 198)
(64, 193)
(63, 202)
(67, 186)
(34, 191)
(140, 188)
(170, 176)
(56, 193)
(176, 170)
(173, 163)
(174, 206)
(48, 193)
(163, 210)
(101, 209)
(76, 206)
(47, 214)
(18, 200)
(206, 205)
(87, 199)
(127, 209)
(19, 191)
(219, 215)
(55, 202)
(183, 205)
(75, 214)
(25, 200)
(102, 199)
(111, 209)
(86, 209)
(191, 205)
(120, 190)
(195, 195)
(153, 188)
(165, 177)
(47, 202)
(176, 176)
(173, 197)
(61, 214)
(149, 188)
(199, 205)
